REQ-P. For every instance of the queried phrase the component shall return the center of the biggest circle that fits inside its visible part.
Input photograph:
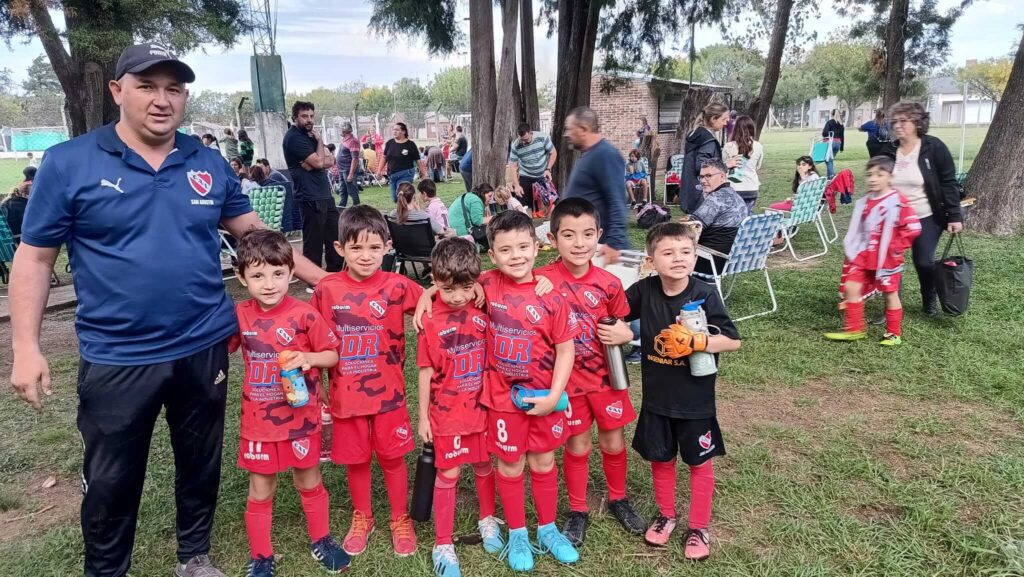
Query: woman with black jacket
(926, 175)
(701, 146)
(835, 130)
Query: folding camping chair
(806, 209)
(676, 164)
(6, 250)
(821, 148)
(268, 203)
(749, 253)
(413, 243)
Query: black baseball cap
(141, 57)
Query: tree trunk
(492, 120)
(759, 106)
(577, 36)
(895, 52)
(993, 179)
(531, 108)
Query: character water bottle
(295, 391)
(692, 317)
(736, 172)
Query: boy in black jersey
(677, 414)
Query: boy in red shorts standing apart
(882, 228)
(366, 306)
(276, 436)
(591, 293)
(450, 355)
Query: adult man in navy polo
(138, 206)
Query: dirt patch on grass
(40, 508)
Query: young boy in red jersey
(275, 435)
(450, 354)
(677, 416)
(591, 293)
(367, 308)
(882, 228)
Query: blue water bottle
(295, 391)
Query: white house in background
(820, 109)
(946, 103)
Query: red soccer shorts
(512, 435)
(272, 457)
(611, 409)
(869, 279)
(355, 439)
(450, 451)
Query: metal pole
(963, 127)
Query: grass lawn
(844, 459)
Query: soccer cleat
(891, 340)
(358, 534)
(660, 530)
(403, 536)
(490, 532)
(330, 555)
(261, 567)
(198, 566)
(575, 528)
(518, 550)
(552, 541)
(624, 512)
(697, 543)
(846, 336)
(446, 562)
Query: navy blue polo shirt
(143, 244)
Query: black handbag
(479, 232)
(954, 276)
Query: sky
(328, 43)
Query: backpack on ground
(651, 214)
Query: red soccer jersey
(904, 231)
(453, 342)
(291, 325)
(521, 338)
(596, 294)
(369, 319)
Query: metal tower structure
(264, 29)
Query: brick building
(660, 100)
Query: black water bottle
(423, 485)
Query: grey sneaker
(198, 566)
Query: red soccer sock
(359, 487)
(614, 465)
(702, 487)
(483, 474)
(258, 518)
(854, 317)
(577, 471)
(893, 320)
(513, 499)
(664, 473)
(396, 479)
(315, 504)
(545, 495)
(444, 508)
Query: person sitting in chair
(720, 213)
(409, 210)
(637, 183)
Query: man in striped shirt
(532, 157)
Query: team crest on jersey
(200, 181)
(285, 336)
(556, 429)
(705, 440)
(301, 448)
(377, 309)
(591, 299)
(402, 432)
(533, 314)
(480, 322)
(615, 409)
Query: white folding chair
(806, 209)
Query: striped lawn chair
(749, 253)
(268, 203)
(806, 209)
(6, 250)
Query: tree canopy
(987, 77)
(843, 70)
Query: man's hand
(617, 334)
(315, 135)
(517, 190)
(732, 162)
(610, 255)
(543, 405)
(954, 227)
(677, 342)
(479, 296)
(30, 372)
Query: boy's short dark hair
(263, 246)
(301, 105)
(427, 187)
(665, 230)
(508, 221)
(881, 162)
(359, 219)
(456, 261)
(574, 207)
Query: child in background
(275, 435)
(882, 228)
(366, 307)
(636, 178)
(805, 172)
(450, 355)
(505, 200)
(678, 414)
(591, 293)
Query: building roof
(649, 78)
(944, 85)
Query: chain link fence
(31, 139)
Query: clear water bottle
(615, 360)
(692, 317)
